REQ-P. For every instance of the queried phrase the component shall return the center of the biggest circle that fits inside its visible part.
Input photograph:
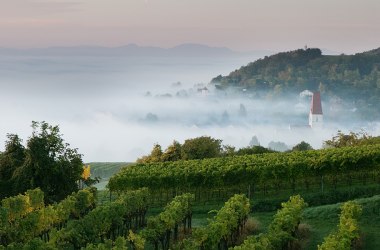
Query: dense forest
(354, 79)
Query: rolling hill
(354, 79)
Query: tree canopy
(195, 148)
(351, 139)
(302, 146)
(46, 162)
(201, 148)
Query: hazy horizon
(342, 25)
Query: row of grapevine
(105, 222)
(135, 241)
(225, 228)
(282, 230)
(348, 230)
(161, 227)
(40, 219)
(16, 207)
(255, 170)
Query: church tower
(316, 115)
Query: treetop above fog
(350, 77)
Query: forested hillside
(350, 78)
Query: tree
(154, 156)
(351, 139)
(253, 150)
(201, 148)
(302, 146)
(228, 150)
(12, 158)
(173, 152)
(49, 164)
(156, 153)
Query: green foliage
(12, 158)
(36, 198)
(249, 169)
(137, 242)
(35, 244)
(173, 152)
(24, 218)
(47, 163)
(260, 242)
(348, 229)
(228, 150)
(154, 156)
(201, 148)
(282, 229)
(351, 139)
(119, 244)
(286, 221)
(18, 206)
(106, 221)
(160, 227)
(196, 148)
(302, 146)
(224, 229)
(253, 150)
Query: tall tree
(201, 148)
(50, 164)
(12, 158)
(154, 156)
(302, 146)
(345, 140)
(173, 152)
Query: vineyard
(322, 176)
(25, 217)
(75, 223)
(153, 206)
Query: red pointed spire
(316, 105)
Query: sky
(346, 26)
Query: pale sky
(347, 26)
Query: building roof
(316, 105)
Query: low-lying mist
(115, 108)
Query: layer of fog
(116, 108)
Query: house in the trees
(203, 91)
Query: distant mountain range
(131, 50)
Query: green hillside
(351, 78)
(104, 170)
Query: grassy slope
(324, 219)
(105, 170)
